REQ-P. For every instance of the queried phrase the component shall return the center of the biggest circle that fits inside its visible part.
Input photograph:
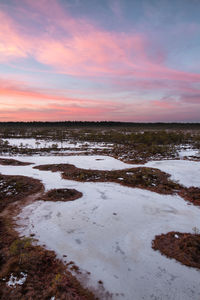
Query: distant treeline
(103, 124)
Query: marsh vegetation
(104, 184)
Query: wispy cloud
(128, 61)
(83, 49)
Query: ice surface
(95, 162)
(108, 231)
(184, 171)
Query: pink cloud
(21, 102)
(128, 61)
(192, 99)
(12, 44)
(164, 104)
(84, 49)
(55, 113)
(22, 90)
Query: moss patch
(191, 194)
(61, 195)
(142, 177)
(14, 188)
(184, 247)
(44, 275)
(13, 162)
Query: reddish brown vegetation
(13, 162)
(15, 188)
(191, 194)
(184, 247)
(61, 195)
(56, 168)
(46, 275)
(141, 177)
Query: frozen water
(108, 231)
(184, 171)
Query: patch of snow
(13, 280)
(188, 152)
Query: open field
(108, 212)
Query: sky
(100, 60)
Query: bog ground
(108, 229)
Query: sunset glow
(91, 60)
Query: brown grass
(191, 194)
(15, 188)
(140, 177)
(184, 247)
(46, 275)
(13, 162)
(61, 195)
